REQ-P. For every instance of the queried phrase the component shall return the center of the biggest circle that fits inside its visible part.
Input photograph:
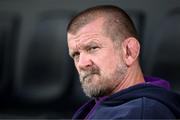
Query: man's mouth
(88, 76)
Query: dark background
(37, 77)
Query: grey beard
(105, 84)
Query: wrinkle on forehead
(94, 26)
(83, 37)
(78, 41)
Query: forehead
(90, 30)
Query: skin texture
(104, 68)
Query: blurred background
(37, 77)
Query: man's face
(98, 62)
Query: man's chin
(91, 88)
(93, 91)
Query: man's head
(117, 23)
(103, 44)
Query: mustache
(89, 72)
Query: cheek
(106, 62)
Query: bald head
(117, 24)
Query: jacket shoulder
(154, 109)
(141, 108)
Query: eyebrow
(84, 46)
(89, 44)
(92, 43)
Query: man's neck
(133, 77)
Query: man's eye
(91, 49)
(75, 56)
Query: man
(104, 45)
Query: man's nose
(84, 62)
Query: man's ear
(131, 48)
